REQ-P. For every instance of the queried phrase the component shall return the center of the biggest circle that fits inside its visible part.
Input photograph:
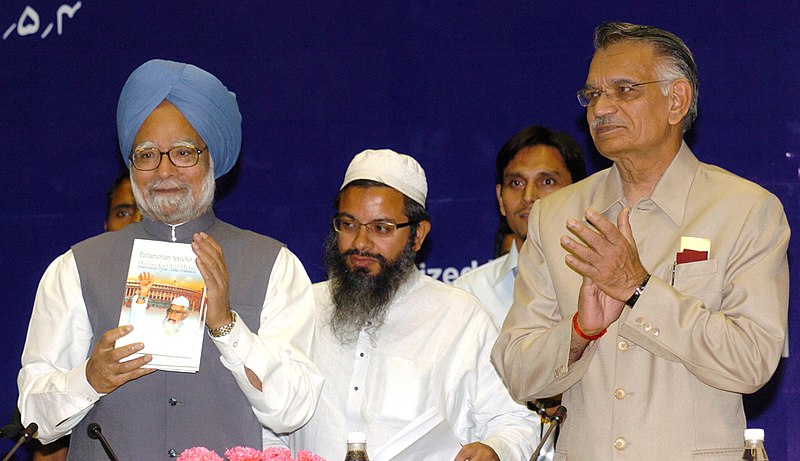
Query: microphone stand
(94, 432)
(557, 418)
(27, 434)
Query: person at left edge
(179, 129)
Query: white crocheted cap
(180, 301)
(386, 166)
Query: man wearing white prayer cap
(179, 128)
(177, 313)
(393, 343)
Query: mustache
(169, 183)
(364, 254)
(603, 120)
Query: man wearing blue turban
(254, 368)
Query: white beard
(174, 208)
(171, 328)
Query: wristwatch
(224, 329)
(639, 290)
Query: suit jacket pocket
(702, 280)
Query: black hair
(122, 176)
(534, 135)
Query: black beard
(361, 300)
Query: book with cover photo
(165, 301)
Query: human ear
(499, 190)
(422, 231)
(680, 99)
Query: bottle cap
(360, 437)
(754, 434)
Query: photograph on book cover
(164, 299)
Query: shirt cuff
(238, 349)
(236, 345)
(501, 448)
(78, 385)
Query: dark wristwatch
(639, 290)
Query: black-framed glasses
(149, 158)
(622, 92)
(376, 228)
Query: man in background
(394, 343)
(121, 207)
(531, 165)
(667, 298)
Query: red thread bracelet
(584, 335)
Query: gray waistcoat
(160, 415)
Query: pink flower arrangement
(244, 454)
(277, 454)
(199, 454)
(247, 454)
(305, 455)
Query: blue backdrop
(317, 82)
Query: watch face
(224, 329)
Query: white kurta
(432, 352)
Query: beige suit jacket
(666, 381)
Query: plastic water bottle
(754, 445)
(357, 447)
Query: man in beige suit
(668, 297)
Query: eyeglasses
(623, 92)
(376, 228)
(170, 310)
(149, 158)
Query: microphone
(558, 417)
(540, 406)
(25, 436)
(94, 432)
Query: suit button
(620, 394)
(622, 345)
(172, 453)
(647, 327)
(639, 322)
(655, 331)
(620, 443)
(172, 401)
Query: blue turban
(205, 102)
